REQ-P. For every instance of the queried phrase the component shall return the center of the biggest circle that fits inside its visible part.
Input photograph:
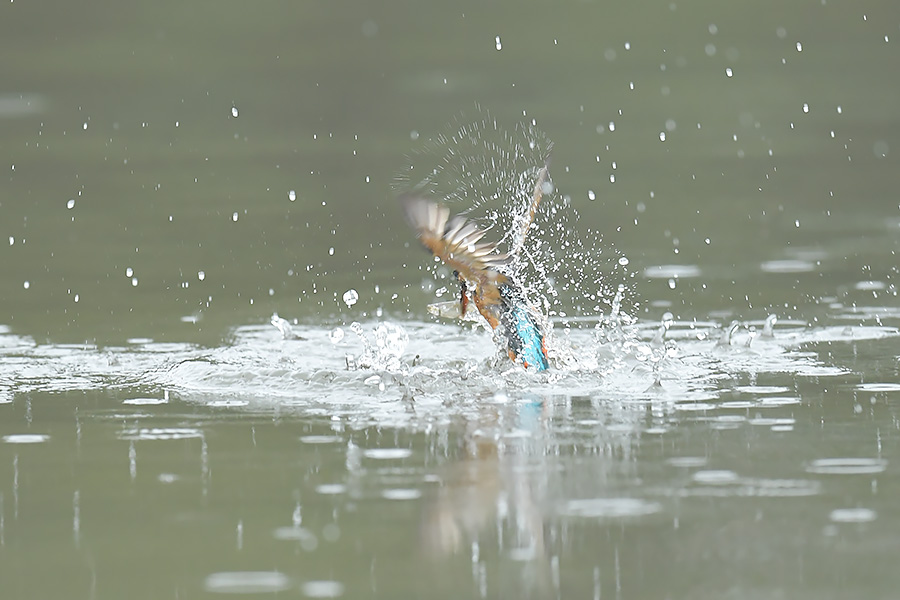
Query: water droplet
(612, 178)
(710, 49)
(671, 284)
(70, 204)
(201, 275)
(623, 261)
(26, 284)
(12, 240)
(728, 72)
(350, 297)
(612, 126)
(799, 47)
(85, 126)
(336, 335)
(805, 107)
(414, 135)
(77, 297)
(234, 112)
(134, 282)
(497, 43)
(331, 252)
(129, 272)
(234, 217)
(592, 195)
(662, 136)
(292, 195)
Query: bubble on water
(336, 335)
(350, 297)
(234, 112)
(292, 195)
(70, 204)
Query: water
(218, 372)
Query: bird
(486, 275)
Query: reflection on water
(290, 468)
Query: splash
(499, 179)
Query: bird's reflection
(494, 496)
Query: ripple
(779, 401)
(870, 286)
(688, 461)
(879, 387)
(160, 433)
(760, 488)
(670, 271)
(323, 589)
(609, 508)
(26, 438)
(387, 453)
(247, 582)
(847, 466)
(761, 389)
(853, 515)
(788, 265)
(145, 401)
(717, 477)
(227, 403)
(401, 494)
(320, 439)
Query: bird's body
(484, 274)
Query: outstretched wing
(456, 242)
(525, 221)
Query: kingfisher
(484, 273)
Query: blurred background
(173, 173)
(172, 170)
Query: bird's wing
(456, 241)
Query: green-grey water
(172, 175)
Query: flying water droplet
(70, 204)
(351, 297)
(292, 195)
